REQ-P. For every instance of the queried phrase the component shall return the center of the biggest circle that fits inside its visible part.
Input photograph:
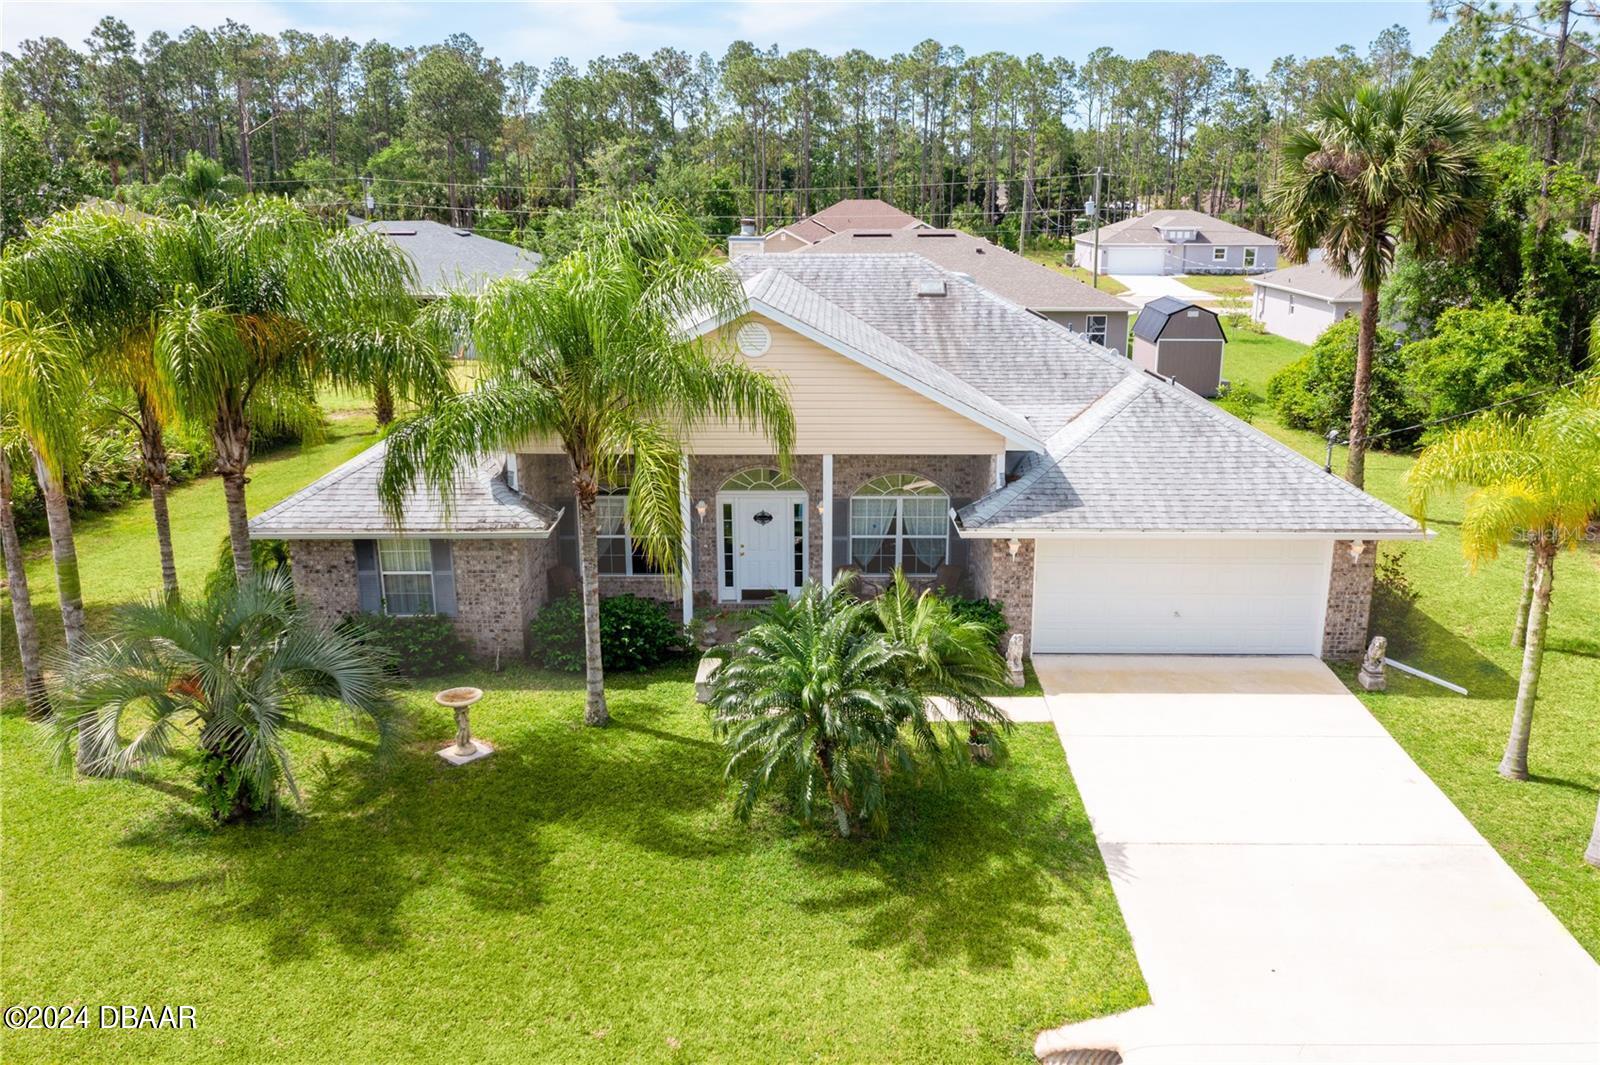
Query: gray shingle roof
(344, 503)
(998, 269)
(1142, 230)
(447, 259)
(1151, 456)
(1320, 279)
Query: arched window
(899, 520)
(762, 480)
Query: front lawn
(1250, 359)
(1228, 286)
(1053, 259)
(582, 895)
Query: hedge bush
(986, 611)
(422, 645)
(635, 634)
(1314, 391)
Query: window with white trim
(1250, 256)
(899, 521)
(620, 555)
(406, 570)
(1095, 328)
(1219, 254)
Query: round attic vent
(754, 340)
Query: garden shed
(1180, 340)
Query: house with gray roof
(942, 430)
(447, 259)
(1299, 302)
(1085, 310)
(1175, 242)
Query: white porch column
(1000, 469)
(826, 517)
(688, 542)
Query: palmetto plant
(1368, 171)
(229, 671)
(594, 354)
(201, 183)
(812, 701)
(1530, 479)
(108, 140)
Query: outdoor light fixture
(1013, 545)
(700, 509)
(822, 508)
(1356, 547)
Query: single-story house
(447, 258)
(940, 429)
(1177, 339)
(1299, 302)
(1048, 293)
(846, 214)
(1176, 242)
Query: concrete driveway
(1297, 889)
(1142, 288)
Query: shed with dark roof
(1180, 340)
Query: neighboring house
(939, 428)
(1179, 340)
(1048, 293)
(448, 259)
(1176, 242)
(846, 214)
(1299, 302)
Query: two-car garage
(1180, 595)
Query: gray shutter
(444, 579)
(369, 587)
(841, 532)
(958, 546)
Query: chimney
(748, 242)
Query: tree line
(997, 143)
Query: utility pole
(1095, 213)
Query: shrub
(422, 645)
(1314, 391)
(1479, 356)
(635, 634)
(1241, 402)
(986, 612)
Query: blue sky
(1244, 32)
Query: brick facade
(325, 577)
(1344, 633)
(1009, 581)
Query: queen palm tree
(593, 353)
(1365, 172)
(266, 304)
(21, 602)
(236, 666)
(813, 700)
(1532, 479)
(107, 140)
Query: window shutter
(369, 586)
(958, 546)
(841, 533)
(444, 579)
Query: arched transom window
(762, 480)
(900, 521)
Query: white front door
(767, 542)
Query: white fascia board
(1275, 286)
(325, 533)
(1001, 533)
(944, 399)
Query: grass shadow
(1418, 640)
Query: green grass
(1109, 285)
(1228, 286)
(583, 895)
(1250, 359)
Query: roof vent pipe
(747, 227)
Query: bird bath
(465, 749)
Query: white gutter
(1004, 533)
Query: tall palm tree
(21, 602)
(43, 388)
(107, 140)
(1367, 171)
(237, 665)
(1531, 479)
(267, 303)
(94, 267)
(592, 353)
(812, 700)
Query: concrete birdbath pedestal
(465, 749)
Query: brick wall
(1344, 633)
(325, 577)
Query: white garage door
(1141, 595)
(1134, 260)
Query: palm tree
(1532, 479)
(592, 352)
(94, 267)
(43, 388)
(266, 304)
(238, 664)
(813, 699)
(106, 140)
(943, 657)
(21, 602)
(201, 183)
(1366, 172)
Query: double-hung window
(1096, 328)
(1249, 257)
(620, 555)
(406, 569)
(899, 521)
(1219, 254)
